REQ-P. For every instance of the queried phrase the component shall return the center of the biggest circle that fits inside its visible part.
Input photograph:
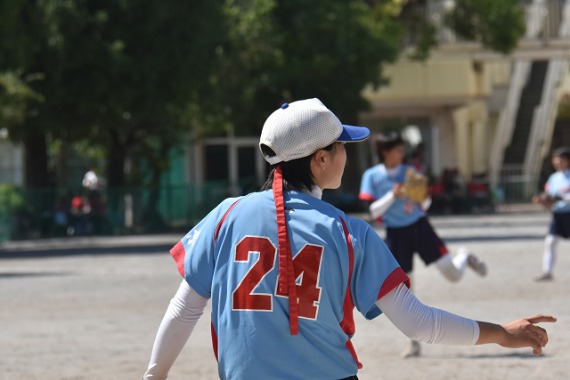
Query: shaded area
(485, 224)
(480, 238)
(508, 355)
(32, 274)
(69, 251)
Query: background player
(408, 229)
(556, 198)
(284, 270)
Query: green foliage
(11, 199)
(423, 34)
(134, 78)
(333, 49)
(116, 74)
(496, 24)
(15, 92)
(279, 51)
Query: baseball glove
(416, 186)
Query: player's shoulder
(253, 202)
(362, 233)
(225, 205)
(374, 172)
(357, 224)
(373, 169)
(228, 202)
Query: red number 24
(307, 264)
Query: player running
(408, 229)
(284, 270)
(556, 198)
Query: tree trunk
(115, 171)
(154, 221)
(35, 161)
(116, 156)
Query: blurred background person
(408, 229)
(556, 198)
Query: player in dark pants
(556, 198)
(418, 237)
(285, 270)
(407, 226)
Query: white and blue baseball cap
(300, 128)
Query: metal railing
(514, 186)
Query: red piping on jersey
(178, 254)
(347, 323)
(393, 280)
(443, 250)
(287, 284)
(214, 340)
(366, 197)
(219, 226)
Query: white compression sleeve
(182, 314)
(426, 203)
(380, 206)
(424, 323)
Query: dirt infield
(89, 309)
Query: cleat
(413, 351)
(544, 277)
(477, 265)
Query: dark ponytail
(296, 173)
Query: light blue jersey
(377, 181)
(558, 185)
(231, 257)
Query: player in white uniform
(556, 198)
(284, 270)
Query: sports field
(89, 308)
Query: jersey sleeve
(195, 254)
(367, 190)
(376, 272)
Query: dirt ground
(89, 308)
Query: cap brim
(352, 133)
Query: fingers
(535, 341)
(528, 334)
(540, 333)
(541, 318)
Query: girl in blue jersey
(556, 198)
(284, 270)
(407, 226)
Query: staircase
(536, 115)
(530, 99)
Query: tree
(24, 50)
(134, 76)
(496, 24)
(136, 66)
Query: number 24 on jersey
(307, 265)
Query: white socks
(453, 267)
(549, 256)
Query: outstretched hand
(525, 333)
(544, 199)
